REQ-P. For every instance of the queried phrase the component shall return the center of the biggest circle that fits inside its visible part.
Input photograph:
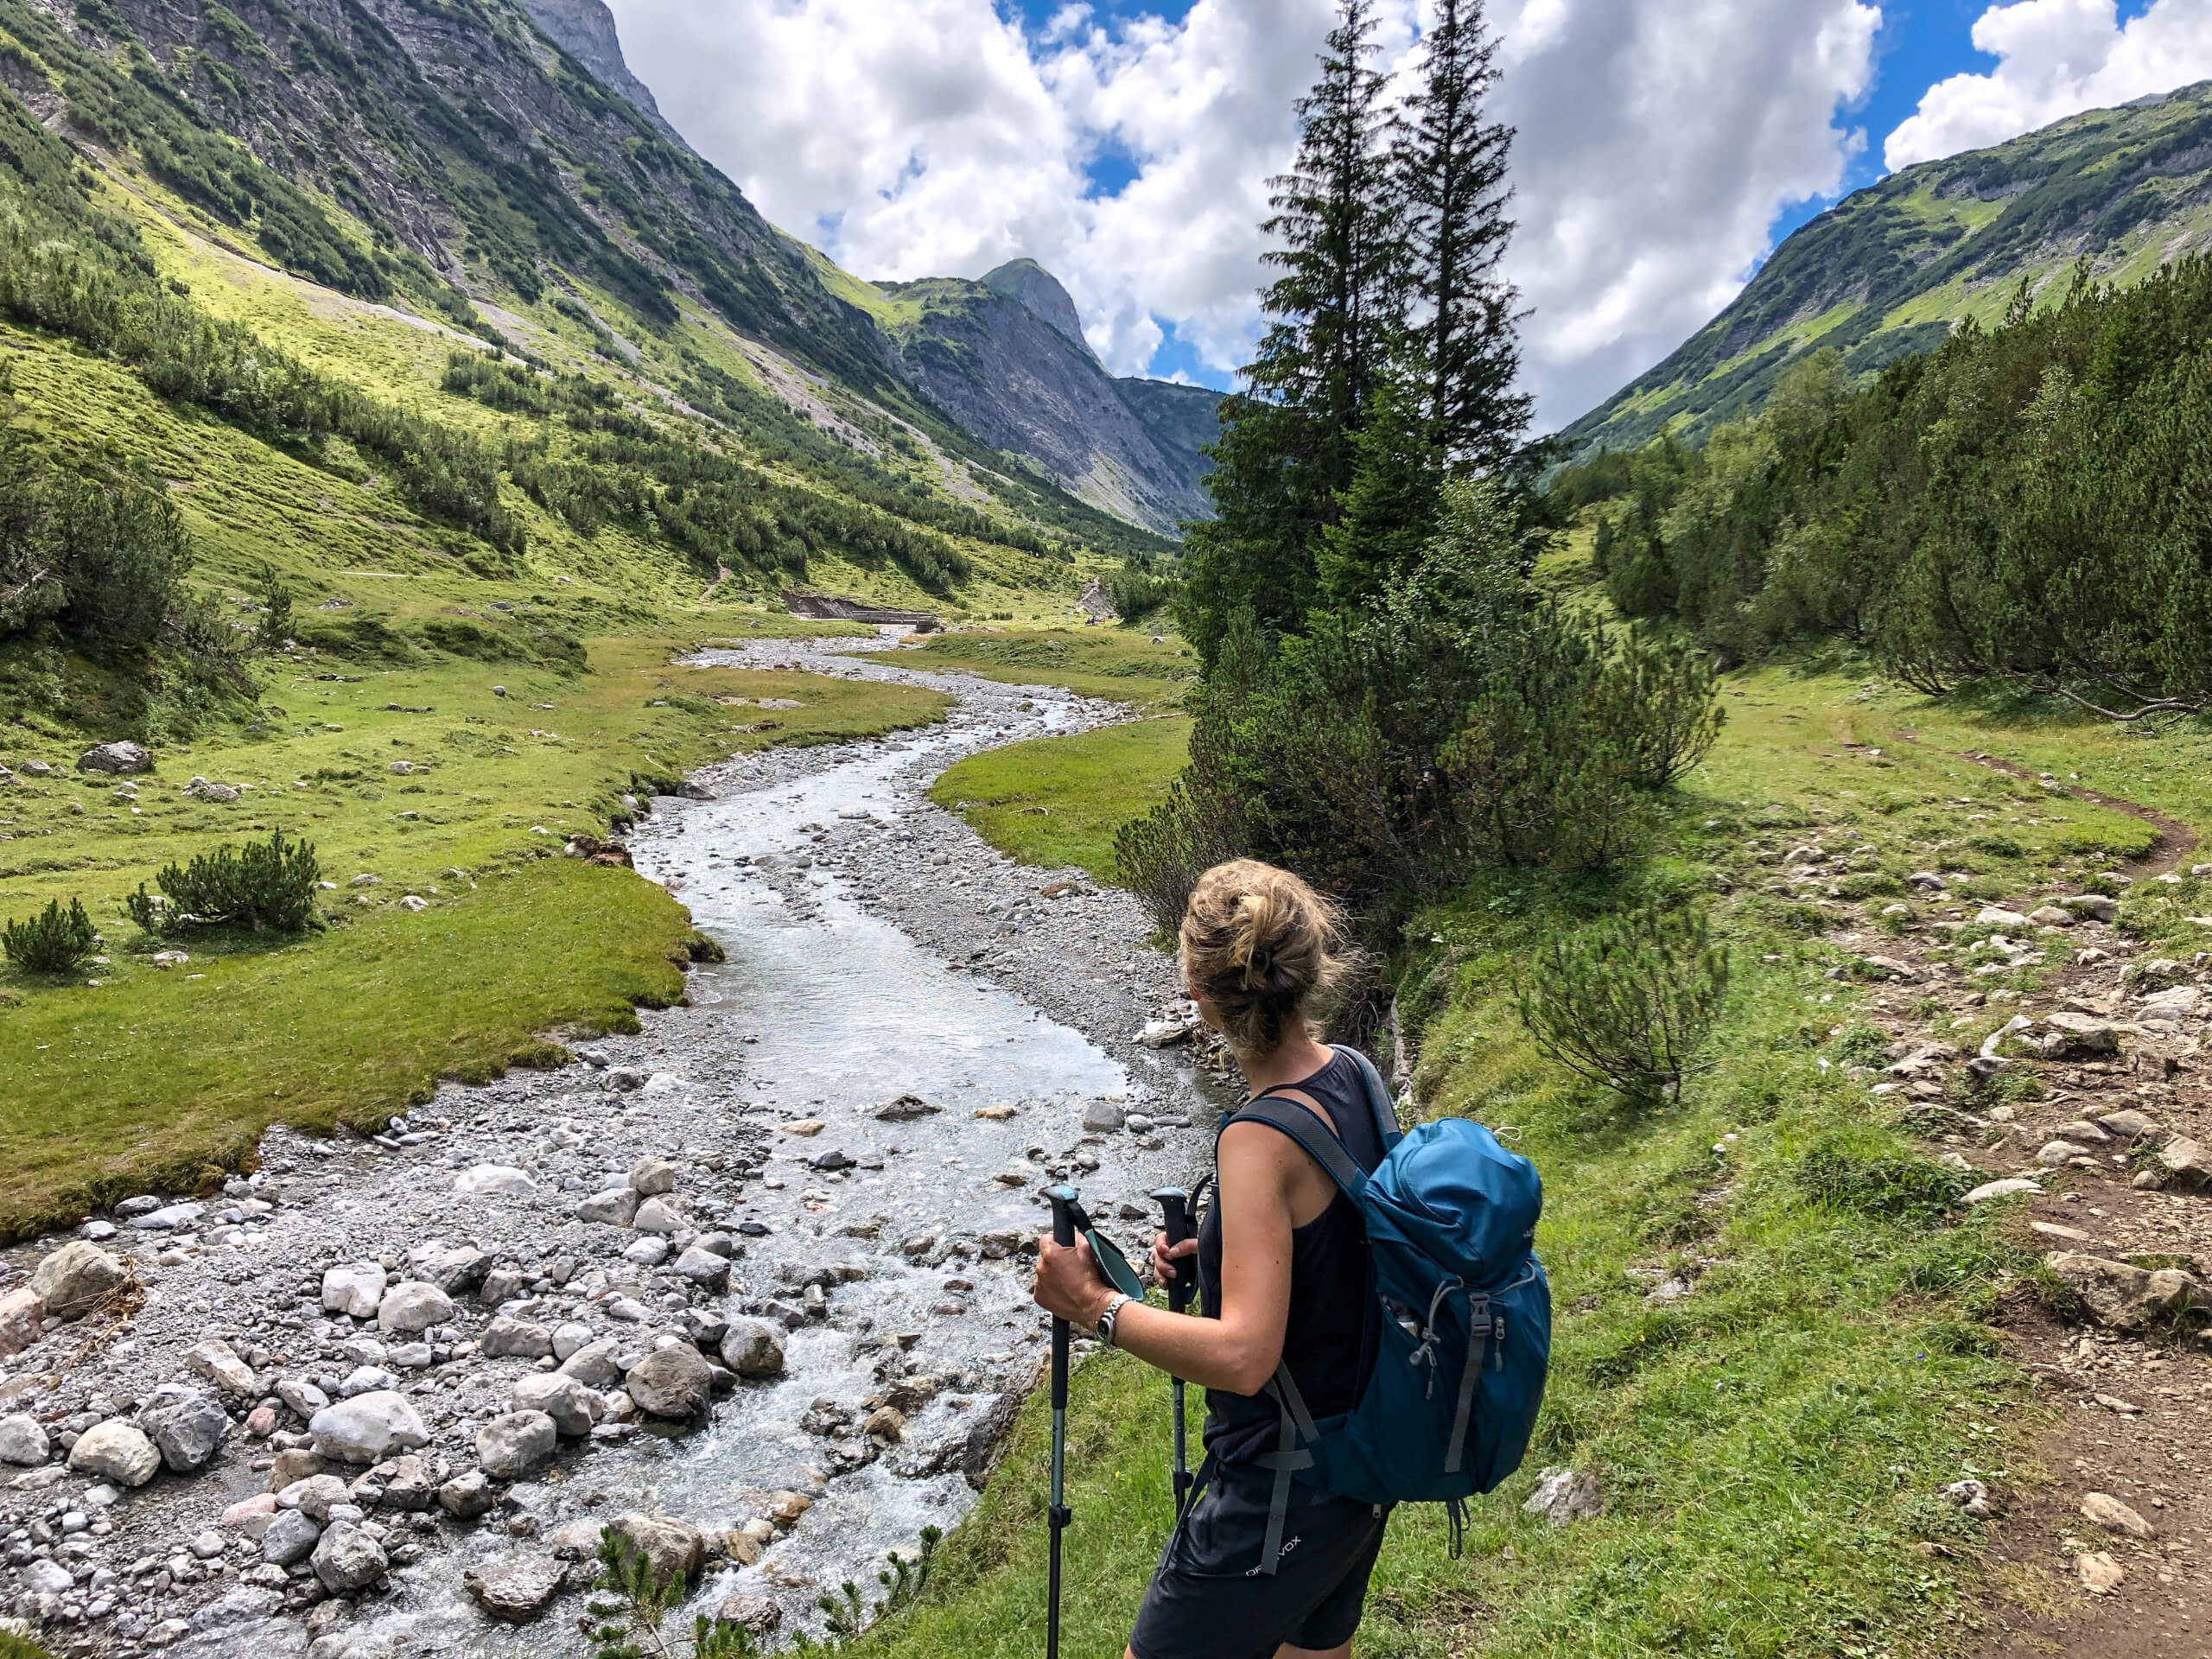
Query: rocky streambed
(748, 1285)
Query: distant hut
(1094, 604)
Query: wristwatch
(1104, 1329)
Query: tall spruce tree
(1290, 443)
(1464, 355)
(1447, 406)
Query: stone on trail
(494, 1180)
(186, 1426)
(368, 1428)
(2186, 1160)
(753, 1348)
(2113, 1515)
(22, 1441)
(905, 1108)
(115, 1452)
(674, 1549)
(413, 1307)
(2177, 1004)
(652, 1177)
(2083, 1034)
(1997, 916)
(355, 1290)
(75, 1277)
(804, 1126)
(2006, 1188)
(1564, 1496)
(616, 1207)
(648, 1251)
(517, 1446)
(660, 1216)
(2056, 1154)
(2101, 1575)
(2120, 1296)
(515, 1589)
(675, 1382)
(1103, 1116)
(348, 1558)
(2095, 905)
(569, 1337)
(291, 1537)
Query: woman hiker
(1282, 1273)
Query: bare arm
(1263, 1175)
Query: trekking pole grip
(1175, 1221)
(1063, 1200)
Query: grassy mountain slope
(659, 336)
(1889, 270)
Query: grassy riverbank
(426, 779)
(1772, 1443)
(1058, 802)
(1111, 663)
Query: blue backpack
(1465, 1318)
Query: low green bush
(262, 888)
(55, 941)
(1629, 1002)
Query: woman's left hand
(1068, 1284)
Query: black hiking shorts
(1207, 1601)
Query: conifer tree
(1289, 443)
(1452, 165)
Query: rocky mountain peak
(1038, 290)
(585, 30)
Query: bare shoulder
(1257, 1147)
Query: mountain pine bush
(1629, 1002)
(263, 889)
(55, 941)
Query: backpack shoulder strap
(1310, 1133)
(1378, 1098)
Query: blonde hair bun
(1258, 944)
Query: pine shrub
(262, 888)
(1629, 1002)
(55, 941)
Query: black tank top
(1329, 1341)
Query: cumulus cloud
(2056, 58)
(922, 137)
(1657, 141)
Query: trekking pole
(1063, 1200)
(1175, 1219)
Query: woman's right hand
(1164, 1257)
